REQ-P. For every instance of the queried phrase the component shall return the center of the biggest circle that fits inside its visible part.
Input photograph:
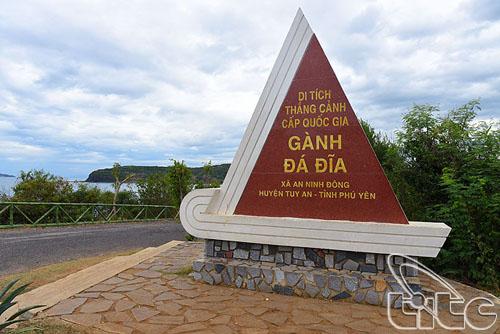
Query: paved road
(23, 249)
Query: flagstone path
(156, 296)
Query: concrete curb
(52, 293)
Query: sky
(84, 84)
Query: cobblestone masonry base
(315, 273)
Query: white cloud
(95, 82)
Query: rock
(198, 315)
(217, 248)
(359, 296)
(209, 266)
(264, 287)
(230, 271)
(320, 281)
(350, 265)
(398, 260)
(209, 247)
(242, 271)
(365, 283)
(288, 258)
(342, 295)
(217, 278)
(225, 278)
(298, 262)
(283, 290)
(370, 258)
(123, 305)
(298, 253)
(277, 318)
(284, 249)
(380, 285)
(256, 246)
(141, 297)
(268, 275)
(398, 302)
(96, 306)
(170, 308)
(351, 283)
(329, 261)
(239, 282)
(255, 254)
(83, 319)
(340, 256)
(368, 268)
(117, 316)
(250, 284)
(265, 250)
(167, 319)
(66, 306)
(335, 282)
(232, 245)
(309, 263)
(325, 292)
(206, 277)
(142, 313)
(198, 265)
(372, 298)
(219, 267)
(279, 258)
(396, 287)
(279, 275)
(225, 246)
(380, 262)
(254, 272)
(241, 254)
(112, 295)
(267, 258)
(311, 290)
(292, 278)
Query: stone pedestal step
(301, 281)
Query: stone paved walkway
(157, 297)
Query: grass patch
(50, 273)
(184, 271)
(49, 326)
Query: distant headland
(6, 175)
(104, 175)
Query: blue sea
(8, 183)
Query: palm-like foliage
(7, 301)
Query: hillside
(104, 175)
(6, 175)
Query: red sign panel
(316, 161)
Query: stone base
(300, 281)
(370, 263)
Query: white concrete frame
(415, 239)
(209, 213)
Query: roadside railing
(14, 214)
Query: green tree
(452, 167)
(429, 144)
(40, 186)
(87, 194)
(180, 182)
(472, 210)
(391, 159)
(154, 189)
(207, 180)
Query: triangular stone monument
(305, 174)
